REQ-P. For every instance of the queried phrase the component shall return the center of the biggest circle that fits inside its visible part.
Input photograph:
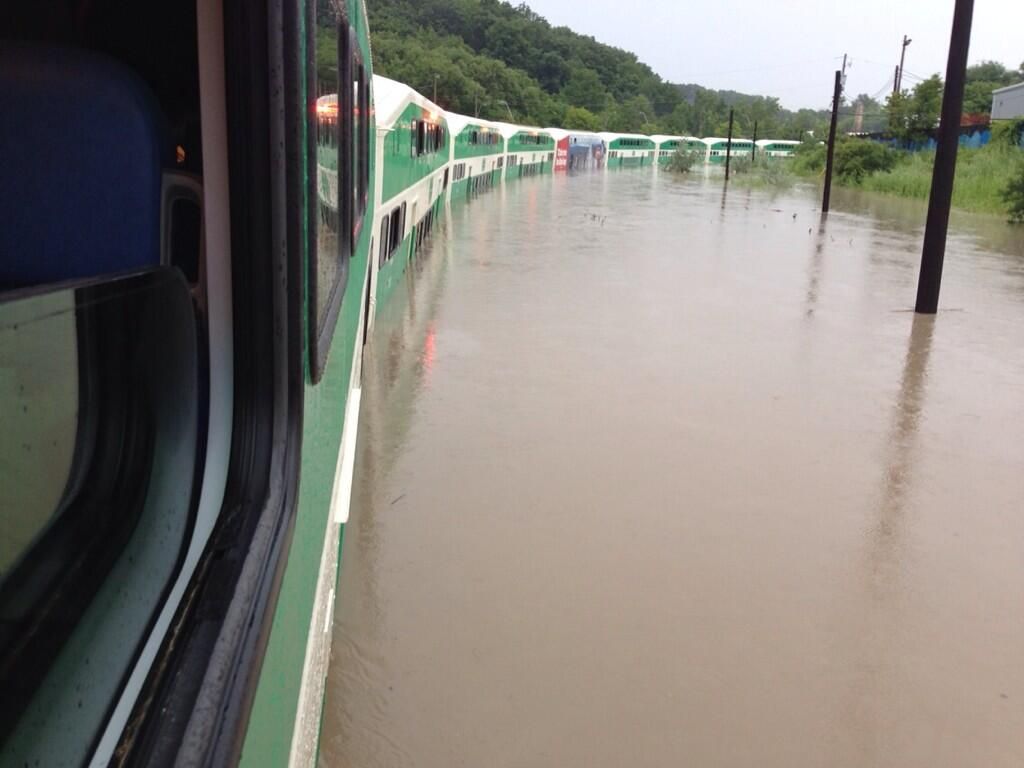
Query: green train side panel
(401, 169)
(390, 273)
(464, 149)
(617, 144)
(739, 149)
(524, 141)
(274, 709)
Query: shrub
(810, 158)
(1007, 133)
(857, 158)
(681, 161)
(1013, 195)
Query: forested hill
(505, 62)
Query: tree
(913, 116)
(584, 89)
(581, 118)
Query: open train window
(337, 142)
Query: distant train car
(776, 148)
(528, 150)
(412, 173)
(628, 149)
(477, 155)
(717, 147)
(669, 145)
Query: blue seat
(80, 166)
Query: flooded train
(203, 205)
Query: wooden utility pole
(937, 223)
(899, 72)
(728, 146)
(837, 94)
(753, 145)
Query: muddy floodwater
(653, 475)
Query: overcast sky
(791, 48)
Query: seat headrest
(80, 146)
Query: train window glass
(336, 130)
(100, 406)
(420, 133)
(395, 237)
(360, 143)
(385, 228)
(401, 226)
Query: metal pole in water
(826, 197)
(937, 223)
(728, 147)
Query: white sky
(791, 48)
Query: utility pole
(753, 145)
(837, 94)
(896, 81)
(728, 146)
(435, 89)
(937, 223)
(903, 52)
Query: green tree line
(505, 62)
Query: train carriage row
(190, 317)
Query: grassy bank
(984, 177)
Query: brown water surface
(653, 475)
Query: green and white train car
(717, 147)
(412, 164)
(669, 145)
(528, 150)
(628, 149)
(186, 323)
(477, 155)
(776, 148)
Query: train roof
(787, 142)
(719, 139)
(508, 130)
(457, 122)
(390, 98)
(610, 136)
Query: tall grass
(982, 176)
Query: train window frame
(323, 315)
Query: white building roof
(1008, 102)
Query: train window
(401, 226)
(360, 142)
(420, 137)
(385, 228)
(100, 407)
(336, 144)
(395, 234)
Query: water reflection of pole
(885, 547)
(815, 270)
